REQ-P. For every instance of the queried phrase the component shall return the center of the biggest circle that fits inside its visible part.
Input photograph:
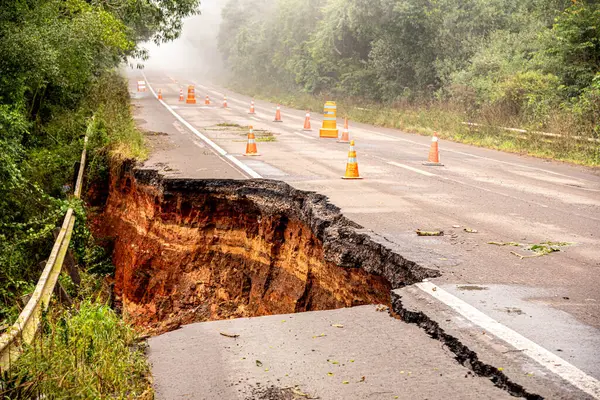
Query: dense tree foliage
(529, 59)
(55, 63)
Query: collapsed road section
(190, 251)
(198, 250)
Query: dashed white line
(305, 136)
(549, 360)
(419, 171)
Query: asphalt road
(553, 300)
(306, 353)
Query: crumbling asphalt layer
(343, 241)
(462, 353)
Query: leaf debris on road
(429, 233)
(230, 335)
(539, 249)
(505, 244)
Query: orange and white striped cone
(160, 94)
(252, 111)
(278, 114)
(225, 102)
(180, 94)
(307, 122)
(251, 149)
(434, 152)
(352, 165)
(207, 101)
(345, 133)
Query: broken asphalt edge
(346, 244)
(484, 354)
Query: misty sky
(196, 50)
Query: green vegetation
(230, 125)
(85, 353)
(58, 69)
(538, 249)
(427, 66)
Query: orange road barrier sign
(251, 149)
(224, 101)
(141, 86)
(307, 122)
(191, 97)
(160, 94)
(352, 165)
(345, 133)
(434, 152)
(180, 94)
(252, 111)
(207, 101)
(329, 129)
(278, 114)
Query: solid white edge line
(221, 152)
(419, 171)
(547, 359)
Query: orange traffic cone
(352, 165)
(345, 134)
(251, 149)
(278, 114)
(180, 94)
(307, 122)
(224, 101)
(252, 111)
(434, 152)
(160, 94)
(191, 96)
(207, 101)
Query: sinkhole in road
(197, 250)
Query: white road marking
(305, 136)
(419, 171)
(547, 359)
(243, 103)
(471, 155)
(256, 119)
(216, 148)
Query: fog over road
(552, 300)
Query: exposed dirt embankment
(197, 250)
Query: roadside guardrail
(24, 330)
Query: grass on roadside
(86, 352)
(115, 128)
